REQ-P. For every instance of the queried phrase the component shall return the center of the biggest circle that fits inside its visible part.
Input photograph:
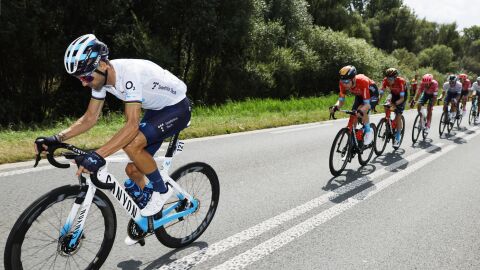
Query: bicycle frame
(147, 224)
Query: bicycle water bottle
(133, 190)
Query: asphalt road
(280, 208)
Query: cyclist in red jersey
(397, 99)
(366, 96)
(466, 84)
(429, 91)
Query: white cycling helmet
(84, 54)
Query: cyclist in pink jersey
(429, 90)
(466, 84)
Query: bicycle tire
(443, 123)
(382, 138)
(459, 119)
(16, 238)
(471, 116)
(370, 149)
(346, 151)
(165, 236)
(450, 126)
(416, 129)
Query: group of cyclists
(456, 90)
(142, 84)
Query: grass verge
(228, 118)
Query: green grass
(228, 118)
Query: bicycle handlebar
(75, 151)
(332, 113)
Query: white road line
(15, 172)
(269, 246)
(252, 232)
(300, 128)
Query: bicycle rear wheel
(417, 128)
(199, 180)
(382, 138)
(402, 133)
(35, 242)
(366, 153)
(340, 152)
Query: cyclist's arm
(125, 135)
(86, 122)
(341, 97)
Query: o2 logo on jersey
(129, 85)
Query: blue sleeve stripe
(381, 91)
(402, 94)
(341, 98)
(366, 101)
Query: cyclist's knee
(132, 171)
(135, 146)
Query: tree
(406, 58)
(438, 57)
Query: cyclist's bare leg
(429, 115)
(143, 161)
(398, 120)
(364, 108)
(137, 176)
(454, 105)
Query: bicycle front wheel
(459, 119)
(471, 116)
(199, 180)
(444, 122)
(35, 243)
(382, 138)
(340, 152)
(417, 128)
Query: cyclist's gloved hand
(48, 141)
(91, 161)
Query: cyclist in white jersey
(452, 89)
(476, 92)
(140, 84)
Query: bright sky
(465, 12)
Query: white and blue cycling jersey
(456, 89)
(143, 81)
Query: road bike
(349, 142)
(55, 233)
(473, 111)
(386, 129)
(448, 121)
(420, 126)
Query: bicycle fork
(78, 214)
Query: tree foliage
(223, 50)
